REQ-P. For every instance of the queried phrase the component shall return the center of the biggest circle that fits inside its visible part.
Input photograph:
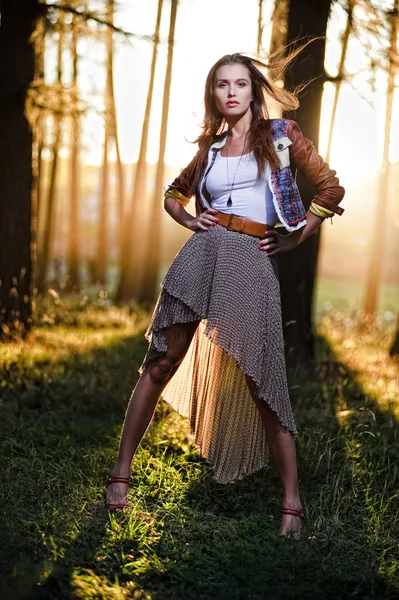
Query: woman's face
(233, 90)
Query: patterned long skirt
(221, 279)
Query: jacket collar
(220, 143)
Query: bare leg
(282, 450)
(143, 401)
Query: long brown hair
(259, 138)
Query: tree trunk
(73, 283)
(377, 242)
(18, 20)
(279, 33)
(148, 290)
(340, 74)
(37, 146)
(298, 270)
(49, 217)
(114, 134)
(394, 349)
(260, 27)
(121, 186)
(39, 46)
(102, 241)
(131, 257)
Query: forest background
(99, 102)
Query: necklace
(230, 201)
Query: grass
(348, 296)
(62, 402)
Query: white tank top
(250, 195)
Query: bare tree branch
(90, 16)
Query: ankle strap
(295, 513)
(118, 480)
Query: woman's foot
(292, 520)
(117, 489)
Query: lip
(231, 104)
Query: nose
(231, 92)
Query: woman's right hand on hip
(204, 220)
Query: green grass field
(62, 403)
(348, 295)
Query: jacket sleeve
(306, 159)
(181, 186)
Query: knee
(162, 369)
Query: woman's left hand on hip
(275, 243)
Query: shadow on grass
(223, 542)
(59, 435)
(190, 538)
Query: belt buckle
(230, 220)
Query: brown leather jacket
(305, 158)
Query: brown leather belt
(243, 225)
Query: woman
(216, 349)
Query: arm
(182, 187)
(175, 208)
(274, 242)
(178, 195)
(312, 223)
(329, 192)
(177, 211)
(306, 159)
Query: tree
(102, 239)
(49, 217)
(37, 121)
(340, 75)
(131, 257)
(298, 271)
(149, 279)
(110, 133)
(73, 245)
(17, 66)
(260, 27)
(377, 243)
(19, 177)
(394, 349)
(278, 37)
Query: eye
(221, 84)
(242, 83)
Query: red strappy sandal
(295, 513)
(117, 507)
